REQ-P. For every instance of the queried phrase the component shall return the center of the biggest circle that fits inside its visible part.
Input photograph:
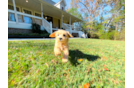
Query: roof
(48, 9)
(50, 2)
(56, 12)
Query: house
(49, 15)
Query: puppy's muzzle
(60, 38)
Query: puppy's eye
(64, 35)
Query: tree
(94, 12)
(75, 12)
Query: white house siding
(62, 5)
(58, 6)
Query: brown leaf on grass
(106, 69)
(110, 56)
(65, 74)
(93, 69)
(99, 71)
(80, 60)
(46, 64)
(37, 71)
(104, 65)
(40, 55)
(104, 57)
(116, 82)
(52, 60)
(89, 69)
(91, 82)
(87, 85)
(68, 69)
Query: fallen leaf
(104, 57)
(40, 55)
(87, 85)
(57, 62)
(65, 74)
(37, 71)
(91, 82)
(93, 69)
(116, 82)
(80, 59)
(104, 65)
(46, 64)
(52, 60)
(99, 71)
(106, 69)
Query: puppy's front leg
(57, 51)
(65, 55)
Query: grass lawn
(32, 64)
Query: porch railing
(30, 19)
(66, 26)
(47, 25)
(23, 14)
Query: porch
(21, 14)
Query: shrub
(36, 28)
(102, 34)
(122, 35)
(44, 31)
(94, 35)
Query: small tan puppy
(61, 43)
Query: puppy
(61, 43)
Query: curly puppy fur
(61, 43)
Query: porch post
(70, 26)
(51, 28)
(61, 21)
(42, 14)
(14, 6)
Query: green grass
(32, 64)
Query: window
(20, 18)
(26, 18)
(27, 11)
(37, 14)
(11, 17)
(62, 8)
(11, 7)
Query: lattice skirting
(17, 30)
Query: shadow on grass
(77, 54)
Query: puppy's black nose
(60, 38)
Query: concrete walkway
(21, 39)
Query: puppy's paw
(64, 60)
(57, 54)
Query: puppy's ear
(53, 34)
(69, 34)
